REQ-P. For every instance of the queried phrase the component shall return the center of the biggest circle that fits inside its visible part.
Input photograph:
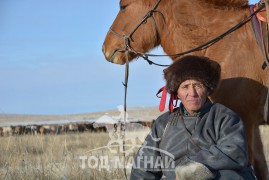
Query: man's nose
(192, 91)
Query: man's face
(193, 95)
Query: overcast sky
(51, 60)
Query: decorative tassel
(163, 99)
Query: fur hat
(197, 68)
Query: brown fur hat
(197, 68)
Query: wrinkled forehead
(191, 82)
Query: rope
(125, 84)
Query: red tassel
(163, 100)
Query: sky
(51, 60)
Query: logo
(125, 137)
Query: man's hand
(191, 170)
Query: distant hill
(137, 113)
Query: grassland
(34, 157)
(61, 156)
(55, 157)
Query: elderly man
(199, 139)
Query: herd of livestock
(57, 128)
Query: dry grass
(59, 156)
(55, 157)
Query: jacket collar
(206, 107)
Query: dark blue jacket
(216, 138)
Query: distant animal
(7, 131)
(146, 123)
(18, 130)
(181, 25)
(73, 127)
(64, 128)
(82, 127)
(55, 129)
(1, 131)
(89, 127)
(43, 129)
(31, 129)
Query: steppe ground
(74, 155)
